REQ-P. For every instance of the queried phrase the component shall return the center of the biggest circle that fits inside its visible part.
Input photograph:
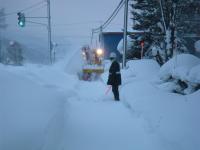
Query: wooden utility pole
(49, 30)
(125, 33)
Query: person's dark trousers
(115, 91)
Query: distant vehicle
(93, 63)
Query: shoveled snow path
(95, 121)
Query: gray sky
(72, 20)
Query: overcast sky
(72, 20)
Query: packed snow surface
(48, 108)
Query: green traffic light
(21, 24)
(21, 19)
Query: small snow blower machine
(93, 65)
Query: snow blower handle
(108, 90)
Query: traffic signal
(21, 19)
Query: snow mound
(136, 69)
(184, 72)
(142, 68)
(178, 67)
(197, 46)
(194, 74)
(170, 117)
(26, 108)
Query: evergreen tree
(188, 19)
(165, 23)
(188, 22)
(2, 19)
(146, 18)
(178, 14)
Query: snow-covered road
(52, 110)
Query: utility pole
(49, 29)
(101, 37)
(91, 41)
(125, 33)
(0, 45)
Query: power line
(113, 15)
(37, 8)
(32, 6)
(24, 9)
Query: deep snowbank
(27, 112)
(182, 73)
(171, 120)
(179, 66)
(140, 69)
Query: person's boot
(116, 98)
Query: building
(109, 42)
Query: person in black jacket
(114, 78)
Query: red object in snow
(108, 90)
(142, 43)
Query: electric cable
(24, 9)
(113, 17)
(32, 6)
(109, 20)
(35, 9)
